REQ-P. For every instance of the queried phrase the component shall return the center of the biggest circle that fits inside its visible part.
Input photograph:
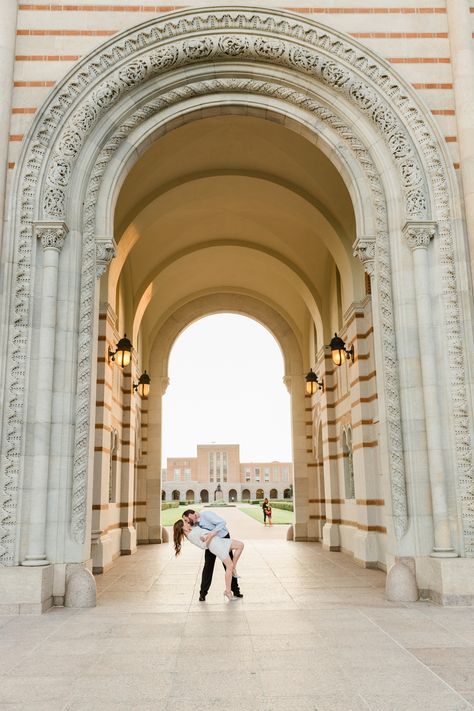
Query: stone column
(419, 236)
(7, 59)
(153, 473)
(52, 236)
(462, 62)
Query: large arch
(107, 111)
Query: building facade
(196, 479)
(311, 168)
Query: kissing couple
(209, 531)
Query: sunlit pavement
(313, 631)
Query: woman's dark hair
(178, 535)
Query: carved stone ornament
(105, 251)
(51, 234)
(275, 38)
(364, 248)
(419, 234)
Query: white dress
(219, 546)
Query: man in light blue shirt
(215, 524)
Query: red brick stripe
(419, 60)
(416, 85)
(34, 83)
(47, 57)
(101, 8)
(370, 10)
(450, 139)
(25, 110)
(399, 35)
(67, 33)
(16, 137)
(443, 112)
(170, 8)
(11, 166)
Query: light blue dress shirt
(212, 522)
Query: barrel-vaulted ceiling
(232, 203)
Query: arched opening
(287, 494)
(190, 496)
(175, 495)
(204, 496)
(246, 495)
(259, 494)
(163, 495)
(232, 495)
(273, 494)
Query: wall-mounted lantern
(143, 385)
(123, 354)
(313, 382)
(339, 352)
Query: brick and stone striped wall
(410, 34)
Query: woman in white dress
(221, 548)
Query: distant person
(267, 512)
(211, 522)
(265, 507)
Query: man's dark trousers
(206, 580)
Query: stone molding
(419, 234)
(213, 36)
(52, 235)
(364, 248)
(105, 251)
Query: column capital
(364, 249)
(105, 251)
(419, 234)
(51, 233)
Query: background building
(196, 479)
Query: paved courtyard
(313, 632)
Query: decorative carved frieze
(419, 234)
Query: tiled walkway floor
(313, 632)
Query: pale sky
(226, 386)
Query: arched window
(259, 494)
(175, 495)
(349, 483)
(190, 496)
(246, 495)
(232, 495)
(273, 494)
(204, 496)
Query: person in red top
(267, 512)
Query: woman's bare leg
(229, 567)
(236, 547)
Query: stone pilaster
(418, 236)
(52, 236)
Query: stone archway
(317, 77)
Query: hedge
(169, 505)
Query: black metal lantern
(143, 385)
(123, 354)
(313, 382)
(339, 352)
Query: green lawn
(278, 515)
(170, 516)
